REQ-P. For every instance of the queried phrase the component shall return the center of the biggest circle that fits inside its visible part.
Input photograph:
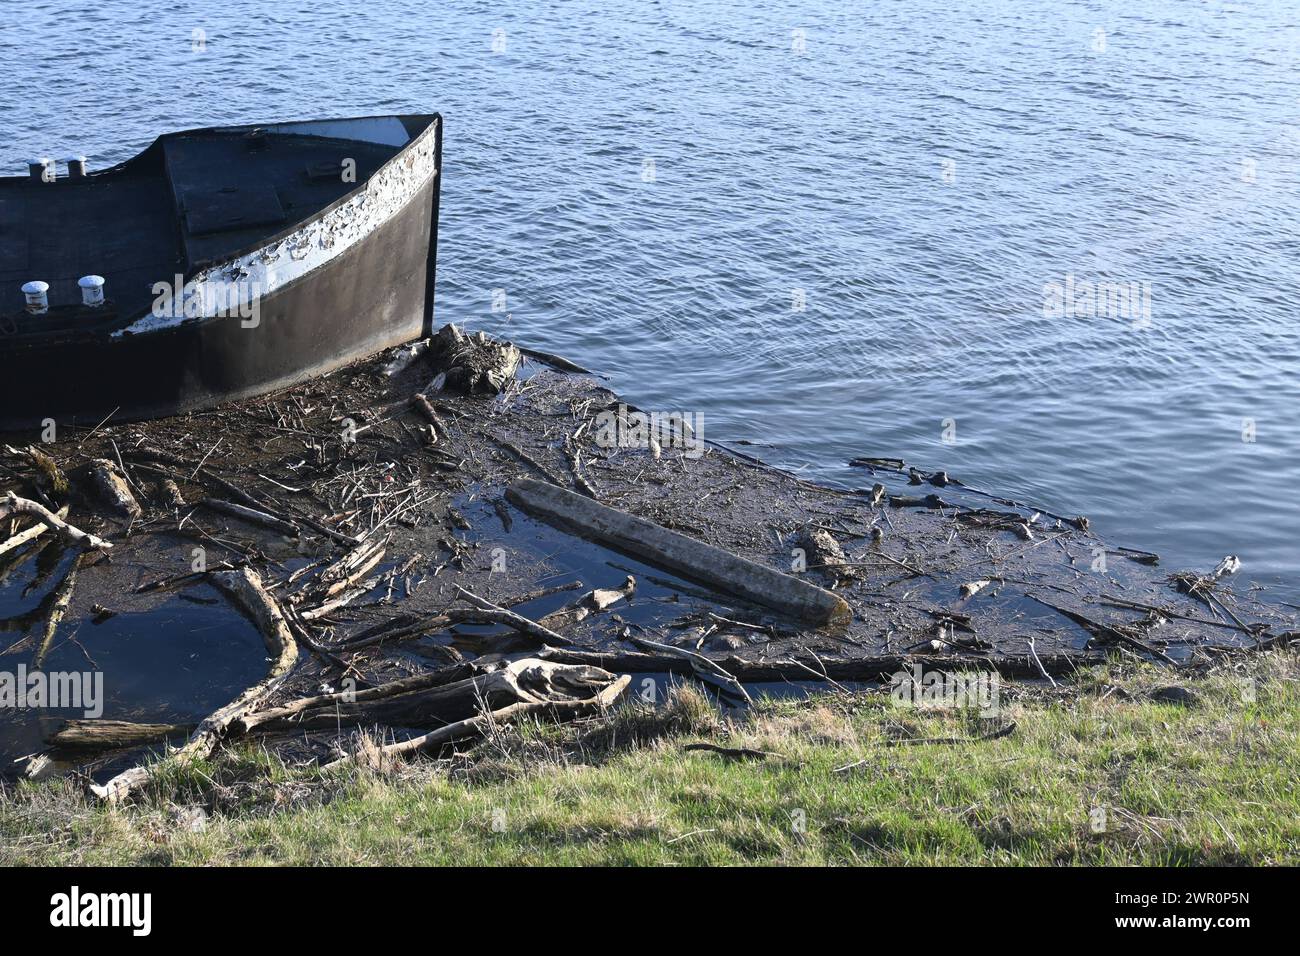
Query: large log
(422, 704)
(111, 734)
(851, 669)
(604, 696)
(285, 714)
(681, 554)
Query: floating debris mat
(462, 520)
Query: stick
(734, 753)
(253, 515)
(703, 666)
(517, 621)
(12, 504)
(31, 534)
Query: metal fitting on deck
(76, 167)
(92, 291)
(38, 300)
(43, 170)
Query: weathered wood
(322, 702)
(245, 588)
(852, 669)
(424, 704)
(62, 597)
(11, 504)
(681, 554)
(493, 612)
(29, 534)
(112, 487)
(604, 689)
(253, 515)
(705, 668)
(111, 734)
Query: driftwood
(540, 687)
(681, 554)
(266, 519)
(485, 610)
(1106, 632)
(11, 504)
(845, 669)
(705, 668)
(111, 734)
(998, 734)
(472, 364)
(62, 597)
(397, 630)
(424, 702)
(733, 753)
(825, 556)
(245, 588)
(112, 488)
(593, 601)
(234, 491)
(30, 534)
(322, 702)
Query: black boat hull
(374, 294)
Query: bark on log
(111, 734)
(112, 487)
(62, 597)
(681, 554)
(245, 588)
(11, 504)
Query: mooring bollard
(38, 300)
(43, 170)
(92, 291)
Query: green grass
(1212, 783)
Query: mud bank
(384, 523)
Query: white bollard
(38, 300)
(43, 170)
(92, 291)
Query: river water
(832, 229)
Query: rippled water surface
(656, 184)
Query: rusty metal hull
(371, 289)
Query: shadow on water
(173, 662)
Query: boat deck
(190, 199)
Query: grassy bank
(1101, 772)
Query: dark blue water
(918, 169)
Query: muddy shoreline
(369, 501)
